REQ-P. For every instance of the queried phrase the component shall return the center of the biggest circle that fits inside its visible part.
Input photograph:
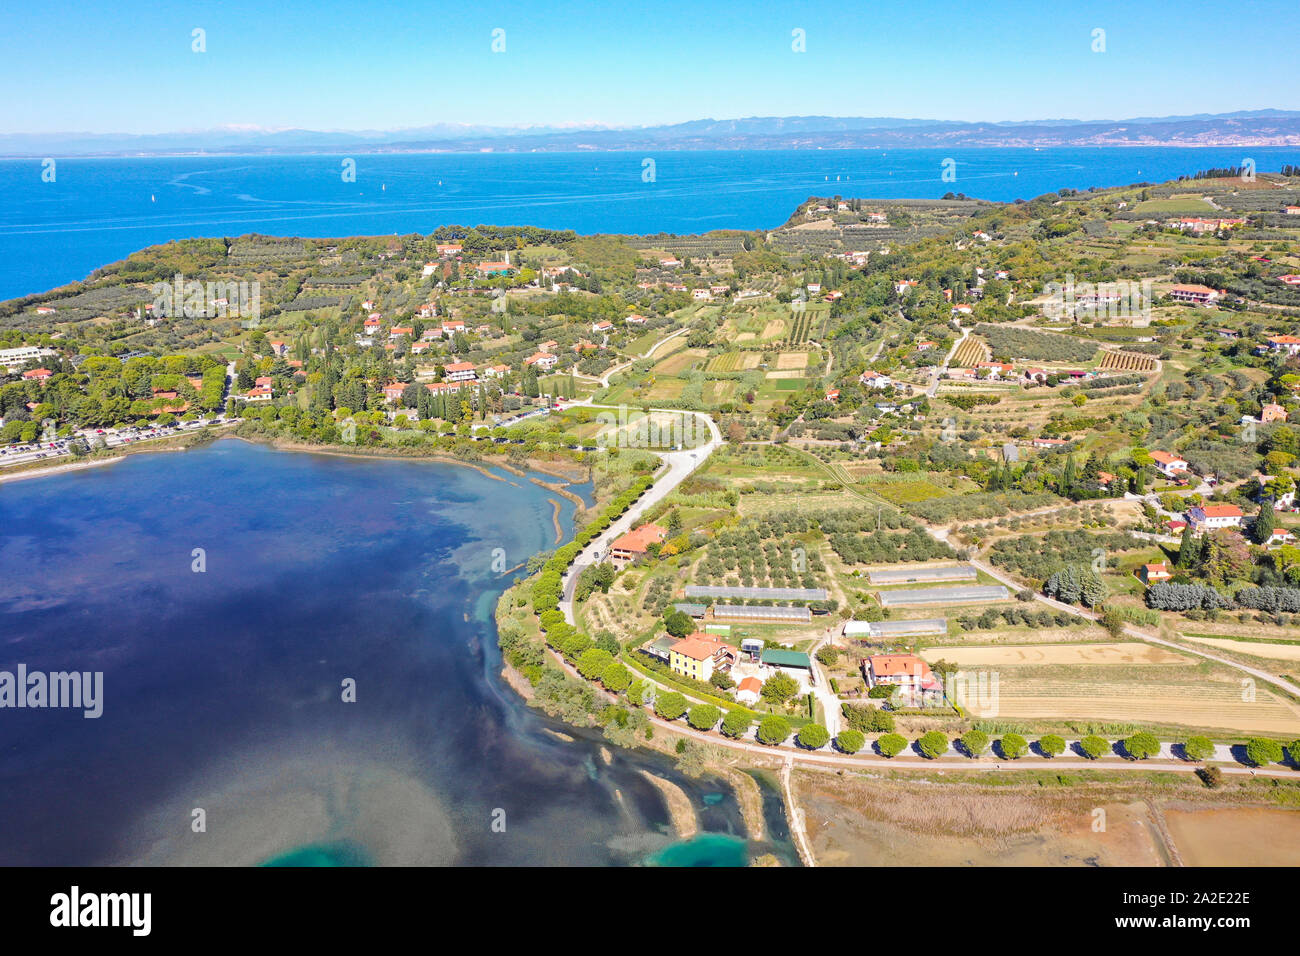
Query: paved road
(933, 389)
(678, 466)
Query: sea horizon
(54, 233)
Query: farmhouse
(876, 380)
(635, 544)
(748, 691)
(1289, 344)
(1214, 517)
(1151, 573)
(459, 372)
(541, 360)
(1195, 294)
(916, 684)
(1169, 465)
(697, 655)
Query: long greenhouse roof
(759, 594)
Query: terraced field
(971, 352)
(1127, 361)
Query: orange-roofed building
(1151, 573)
(748, 690)
(635, 544)
(38, 374)
(912, 676)
(1272, 413)
(697, 655)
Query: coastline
(64, 468)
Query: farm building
(873, 630)
(756, 614)
(906, 575)
(692, 610)
(659, 648)
(775, 657)
(922, 597)
(757, 594)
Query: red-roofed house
(1214, 517)
(1151, 573)
(697, 655)
(459, 372)
(1171, 466)
(1195, 294)
(37, 374)
(1272, 413)
(393, 392)
(635, 544)
(748, 690)
(541, 360)
(916, 684)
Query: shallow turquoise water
(322, 855)
(705, 850)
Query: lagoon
(225, 739)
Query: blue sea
(98, 211)
(225, 738)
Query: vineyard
(1011, 342)
(1127, 361)
(971, 352)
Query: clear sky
(128, 66)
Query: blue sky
(128, 66)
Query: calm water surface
(222, 688)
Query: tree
(592, 663)
(722, 680)
(678, 623)
(1261, 751)
(974, 742)
(813, 737)
(703, 716)
(735, 723)
(616, 677)
(933, 744)
(1198, 748)
(779, 688)
(1261, 532)
(773, 730)
(1052, 745)
(1142, 745)
(670, 706)
(1013, 746)
(1094, 746)
(1293, 751)
(891, 745)
(850, 741)
(1189, 550)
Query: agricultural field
(1030, 654)
(734, 362)
(971, 352)
(1127, 361)
(1214, 705)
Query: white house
(1171, 466)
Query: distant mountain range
(1243, 128)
